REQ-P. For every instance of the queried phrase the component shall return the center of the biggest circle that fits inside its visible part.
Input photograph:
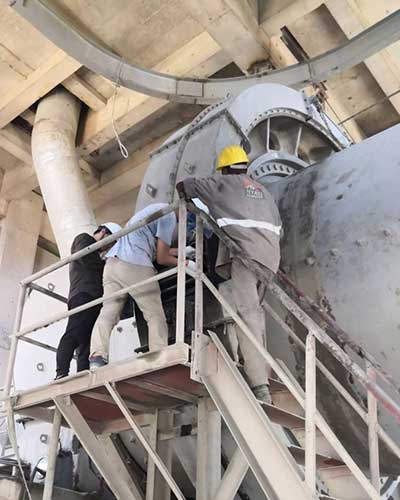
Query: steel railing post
(373, 440)
(180, 296)
(336, 351)
(52, 457)
(151, 466)
(14, 340)
(198, 313)
(310, 409)
(336, 384)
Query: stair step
(322, 444)
(285, 401)
(276, 385)
(283, 417)
(323, 461)
(282, 397)
(340, 483)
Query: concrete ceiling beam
(37, 84)
(275, 14)
(18, 182)
(74, 84)
(200, 56)
(123, 176)
(85, 92)
(233, 26)
(21, 180)
(352, 19)
(16, 142)
(28, 116)
(230, 32)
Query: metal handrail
(350, 365)
(307, 304)
(337, 385)
(100, 244)
(25, 284)
(293, 388)
(278, 292)
(88, 305)
(308, 322)
(307, 400)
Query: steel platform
(158, 380)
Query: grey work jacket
(246, 211)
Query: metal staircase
(288, 445)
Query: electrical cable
(122, 147)
(320, 101)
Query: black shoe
(58, 377)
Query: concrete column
(18, 241)
(57, 168)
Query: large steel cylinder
(341, 246)
(340, 210)
(57, 168)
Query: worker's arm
(164, 255)
(82, 241)
(193, 187)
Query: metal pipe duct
(57, 168)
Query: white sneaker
(96, 362)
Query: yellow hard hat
(231, 155)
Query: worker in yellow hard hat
(232, 158)
(247, 213)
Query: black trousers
(77, 335)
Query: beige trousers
(248, 293)
(118, 275)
